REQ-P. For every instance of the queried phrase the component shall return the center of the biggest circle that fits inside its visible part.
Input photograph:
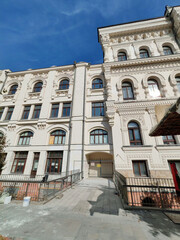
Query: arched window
(64, 84)
(143, 53)
(57, 137)
(167, 50)
(25, 138)
(178, 82)
(13, 89)
(97, 83)
(37, 87)
(99, 136)
(153, 88)
(169, 139)
(122, 56)
(134, 134)
(127, 91)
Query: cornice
(143, 104)
(41, 71)
(145, 62)
(141, 34)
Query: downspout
(83, 128)
(70, 124)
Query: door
(175, 169)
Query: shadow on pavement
(110, 203)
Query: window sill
(137, 148)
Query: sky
(42, 33)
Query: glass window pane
(105, 139)
(143, 169)
(131, 135)
(137, 134)
(92, 139)
(136, 169)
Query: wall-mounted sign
(98, 165)
(92, 164)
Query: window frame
(127, 92)
(24, 140)
(60, 136)
(139, 168)
(26, 112)
(97, 83)
(101, 134)
(177, 78)
(167, 50)
(144, 53)
(135, 142)
(13, 89)
(100, 107)
(155, 83)
(1, 112)
(67, 110)
(37, 111)
(64, 86)
(37, 89)
(54, 109)
(9, 113)
(168, 141)
(51, 158)
(17, 159)
(122, 56)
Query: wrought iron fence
(38, 190)
(147, 192)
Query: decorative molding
(11, 127)
(41, 125)
(138, 34)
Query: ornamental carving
(11, 127)
(41, 125)
(139, 36)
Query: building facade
(97, 118)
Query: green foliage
(2, 153)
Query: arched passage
(100, 164)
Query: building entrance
(100, 165)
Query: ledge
(168, 147)
(137, 148)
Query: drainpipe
(70, 124)
(83, 128)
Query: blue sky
(42, 33)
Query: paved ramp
(90, 196)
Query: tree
(2, 153)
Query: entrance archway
(100, 164)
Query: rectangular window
(9, 113)
(66, 109)
(140, 169)
(55, 110)
(37, 110)
(54, 162)
(26, 111)
(97, 109)
(169, 139)
(1, 112)
(19, 162)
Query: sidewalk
(90, 210)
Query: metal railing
(38, 190)
(147, 192)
